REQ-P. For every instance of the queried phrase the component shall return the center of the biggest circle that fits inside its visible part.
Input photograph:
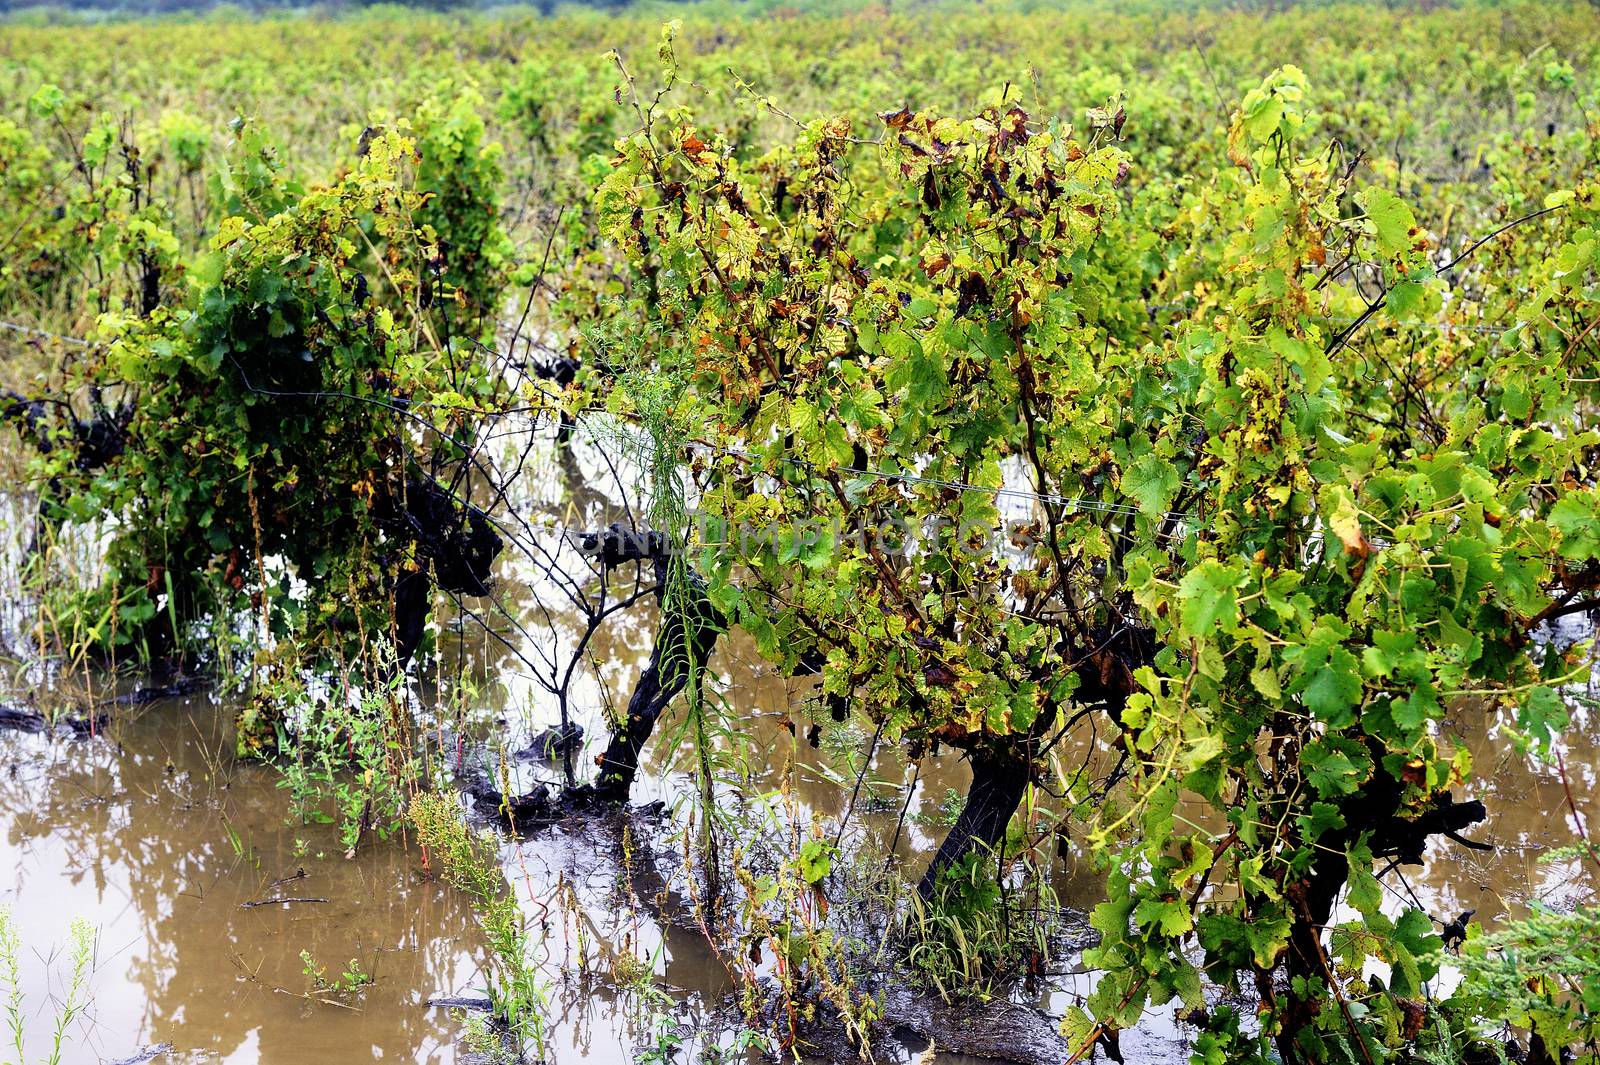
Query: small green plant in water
(68, 1007)
(350, 754)
(975, 936)
(352, 980)
(467, 861)
(946, 811)
(666, 1039)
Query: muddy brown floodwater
(158, 836)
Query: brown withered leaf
(1415, 1014)
(1014, 130)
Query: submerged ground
(174, 849)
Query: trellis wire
(28, 329)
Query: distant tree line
(135, 7)
(160, 7)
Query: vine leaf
(1150, 482)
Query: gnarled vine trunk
(455, 539)
(690, 625)
(1000, 774)
(1002, 767)
(1374, 810)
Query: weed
(975, 935)
(346, 750)
(944, 814)
(666, 1039)
(350, 981)
(68, 1007)
(467, 862)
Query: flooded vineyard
(215, 901)
(1036, 531)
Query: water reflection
(157, 837)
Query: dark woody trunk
(1001, 768)
(690, 625)
(1375, 812)
(999, 778)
